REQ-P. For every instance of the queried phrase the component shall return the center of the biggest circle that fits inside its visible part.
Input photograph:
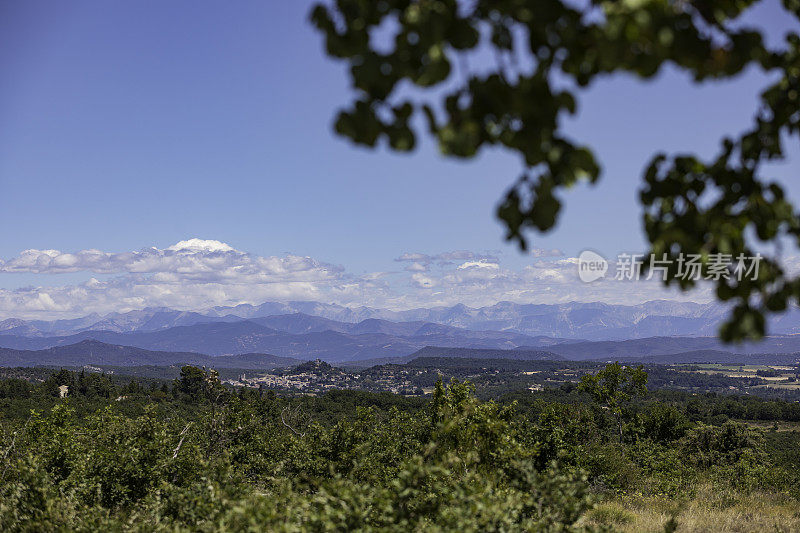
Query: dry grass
(769, 424)
(706, 511)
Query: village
(318, 376)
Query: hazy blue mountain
(336, 333)
(330, 311)
(474, 353)
(301, 323)
(571, 320)
(45, 327)
(91, 352)
(438, 352)
(15, 326)
(244, 337)
(148, 319)
(368, 340)
(655, 346)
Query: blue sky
(130, 125)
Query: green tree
(722, 206)
(57, 379)
(614, 386)
(662, 422)
(196, 384)
(15, 388)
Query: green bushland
(193, 455)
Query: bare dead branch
(180, 443)
(295, 414)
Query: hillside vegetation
(193, 455)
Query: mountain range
(482, 354)
(299, 337)
(571, 320)
(653, 350)
(338, 334)
(91, 352)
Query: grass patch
(708, 510)
(611, 514)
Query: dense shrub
(199, 457)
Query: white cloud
(201, 245)
(417, 267)
(414, 257)
(478, 264)
(541, 252)
(196, 274)
(444, 258)
(422, 281)
(193, 259)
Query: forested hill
(719, 357)
(92, 352)
(521, 354)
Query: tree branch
(180, 443)
(283, 420)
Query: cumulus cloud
(200, 245)
(195, 259)
(543, 252)
(478, 264)
(479, 283)
(423, 282)
(417, 267)
(196, 274)
(416, 257)
(420, 261)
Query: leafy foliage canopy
(408, 57)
